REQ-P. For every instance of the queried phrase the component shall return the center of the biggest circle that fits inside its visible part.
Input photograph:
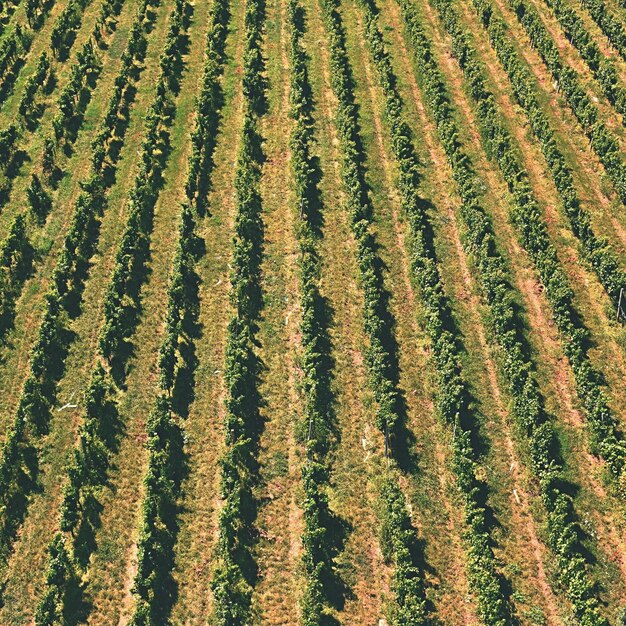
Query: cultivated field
(312, 312)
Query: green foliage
(59, 575)
(65, 28)
(454, 397)
(602, 140)
(518, 369)
(209, 102)
(157, 536)
(14, 265)
(320, 538)
(88, 469)
(231, 579)
(609, 22)
(601, 66)
(36, 11)
(12, 49)
(8, 138)
(82, 74)
(122, 292)
(607, 439)
(381, 362)
(38, 199)
(92, 455)
(48, 159)
(35, 82)
(399, 541)
(158, 528)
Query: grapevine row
(234, 572)
(121, 306)
(97, 432)
(318, 422)
(518, 369)
(7, 9)
(17, 474)
(155, 550)
(399, 536)
(15, 249)
(602, 68)
(13, 48)
(41, 80)
(609, 24)
(16, 256)
(65, 28)
(18, 42)
(454, 401)
(381, 360)
(84, 74)
(36, 12)
(43, 77)
(10, 50)
(209, 101)
(62, 36)
(603, 141)
(165, 441)
(595, 250)
(607, 440)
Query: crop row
(84, 74)
(43, 77)
(518, 369)
(400, 542)
(65, 28)
(603, 141)
(155, 554)
(209, 101)
(15, 261)
(121, 306)
(41, 80)
(7, 9)
(454, 397)
(607, 439)
(595, 249)
(99, 431)
(610, 24)
(15, 255)
(234, 571)
(16, 45)
(381, 360)
(17, 471)
(11, 49)
(165, 441)
(36, 11)
(318, 421)
(601, 66)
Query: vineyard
(312, 312)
